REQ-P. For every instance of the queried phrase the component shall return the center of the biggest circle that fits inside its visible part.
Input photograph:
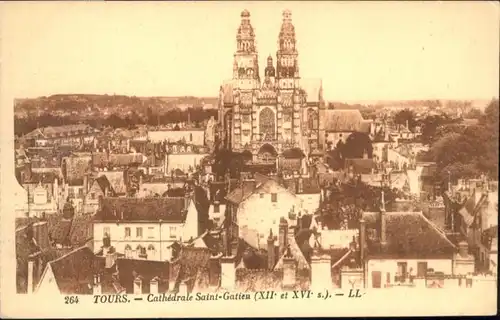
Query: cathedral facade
(263, 117)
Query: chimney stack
(153, 285)
(41, 234)
(283, 235)
(383, 235)
(85, 183)
(138, 285)
(228, 272)
(214, 270)
(31, 270)
(362, 238)
(463, 249)
(271, 259)
(187, 197)
(289, 269)
(97, 288)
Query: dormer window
(216, 208)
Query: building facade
(265, 117)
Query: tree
(356, 145)
(406, 117)
(473, 114)
(430, 126)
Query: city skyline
(393, 51)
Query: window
(274, 197)
(128, 251)
(106, 232)
(151, 252)
(92, 195)
(421, 269)
(173, 232)
(71, 193)
(190, 137)
(402, 272)
(80, 193)
(151, 232)
(138, 233)
(261, 195)
(216, 208)
(127, 232)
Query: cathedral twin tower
(265, 118)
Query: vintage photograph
(212, 151)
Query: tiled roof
(296, 254)
(130, 269)
(410, 234)
(103, 159)
(151, 189)
(26, 246)
(75, 169)
(361, 165)
(116, 180)
(340, 120)
(74, 272)
(59, 229)
(81, 230)
(145, 209)
(240, 193)
(103, 183)
(192, 260)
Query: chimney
(214, 270)
(228, 272)
(383, 235)
(187, 197)
(271, 254)
(289, 269)
(352, 244)
(97, 288)
(138, 285)
(299, 222)
(85, 183)
(41, 234)
(362, 238)
(153, 285)
(283, 235)
(183, 288)
(463, 249)
(321, 274)
(31, 270)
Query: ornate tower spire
(245, 59)
(270, 71)
(246, 36)
(287, 64)
(287, 34)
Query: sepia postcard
(239, 159)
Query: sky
(361, 50)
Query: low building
(144, 228)
(74, 135)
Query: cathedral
(274, 116)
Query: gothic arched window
(312, 119)
(128, 251)
(267, 123)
